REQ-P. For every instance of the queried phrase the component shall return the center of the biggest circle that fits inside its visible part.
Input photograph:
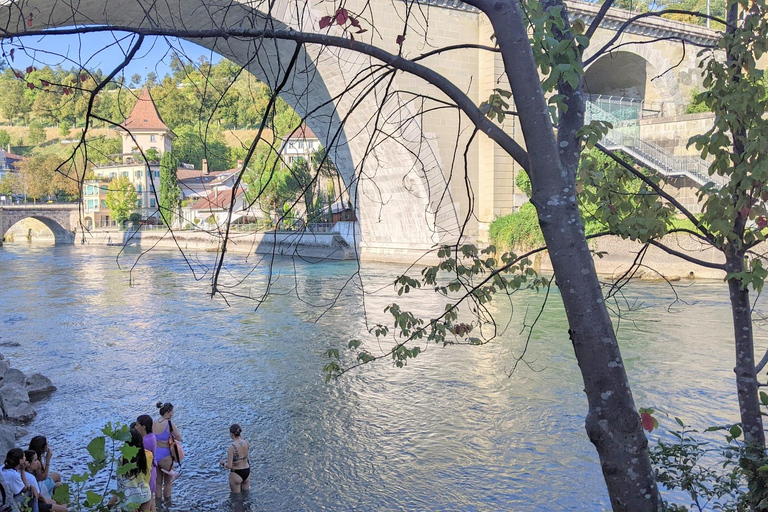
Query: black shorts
(243, 473)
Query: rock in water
(15, 402)
(38, 386)
(14, 376)
(8, 436)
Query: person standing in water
(144, 427)
(162, 430)
(237, 461)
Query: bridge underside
(61, 234)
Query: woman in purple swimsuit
(162, 430)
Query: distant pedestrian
(237, 461)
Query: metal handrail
(625, 137)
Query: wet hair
(140, 458)
(145, 421)
(164, 407)
(235, 430)
(30, 454)
(38, 444)
(13, 459)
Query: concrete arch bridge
(405, 169)
(61, 219)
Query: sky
(104, 50)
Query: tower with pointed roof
(144, 129)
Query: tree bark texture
(746, 379)
(612, 423)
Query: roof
(302, 132)
(144, 115)
(217, 200)
(8, 160)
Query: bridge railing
(41, 206)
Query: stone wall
(306, 245)
(621, 253)
(672, 133)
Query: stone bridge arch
(399, 187)
(62, 220)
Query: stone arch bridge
(409, 184)
(61, 219)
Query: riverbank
(331, 246)
(615, 255)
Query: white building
(143, 130)
(301, 143)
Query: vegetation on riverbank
(609, 197)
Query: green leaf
(97, 449)
(735, 431)
(92, 499)
(764, 398)
(61, 494)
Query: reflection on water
(451, 431)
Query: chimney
(205, 166)
(239, 164)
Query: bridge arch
(632, 75)
(389, 214)
(61, 221)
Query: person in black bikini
(237, 461)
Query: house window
(140, 203)
(151, 138)
(301, 144)
(152, 203)
(156, 174)
(138, 188)
(103, 204)
(103, 189)
(124, 174)
(137, 174)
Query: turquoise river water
(451, 431)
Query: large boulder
(14, 376)
(38, 386)
(8, 436)
(14, 400)
(4, 365)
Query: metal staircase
(625, 136)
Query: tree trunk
(746, 379)
(612, 422)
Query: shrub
(519, 230)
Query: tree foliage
(170, 192)
(121, 199)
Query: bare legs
(164, 481)
(236, 483)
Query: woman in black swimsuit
(237, 461)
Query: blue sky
(103, 50)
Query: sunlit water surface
(451, 431)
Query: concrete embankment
(306, 245)
(613, 256)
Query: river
(451, 431)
